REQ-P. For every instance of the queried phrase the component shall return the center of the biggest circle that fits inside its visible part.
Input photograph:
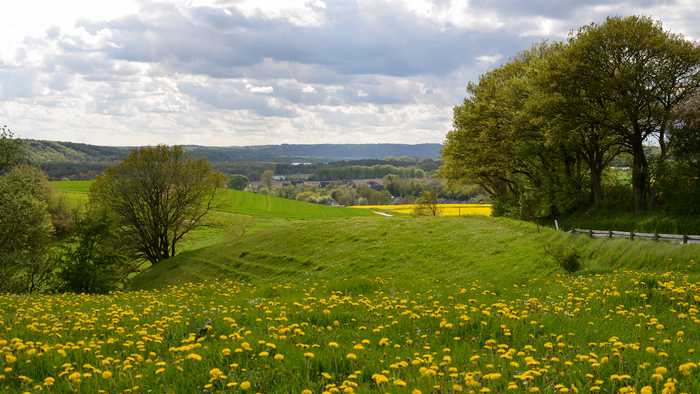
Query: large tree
(157, 195)
(501, 142)
(645, 72)
(583, 116)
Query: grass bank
(495, 250)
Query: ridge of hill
(41, 151)
(409, 250)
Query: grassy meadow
(288, 298)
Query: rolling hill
(55, 151)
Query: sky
(247, 72)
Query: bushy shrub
(62, 215)
(91, 261)
(25, 230)
(238, 182)
(567, 257)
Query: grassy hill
(244, 203)
(416, 250)
(235, 212)
(54, 151)
(260, 205)
(370, 304)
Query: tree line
(335, 173)
(539, 132)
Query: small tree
(238, 182)
(427, 204)
(266, 179)
(11, 150)
(157, 195)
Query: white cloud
(236, 72)
(261, 89)
(489, 59)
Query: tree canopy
(11, 150)
(538, 132)
(157, 195)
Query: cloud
(242, 71)
(18, 83)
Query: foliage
(93, 260)
(25, 230)
(648, 222)
(646, 72)
(62, 215)
(679, 189)
(344, 195)
(266, 179)
(238, 181)
(157, 195)
(330, 173)
(427, 204)
(539, 132)
(500, 144)
(12, 150)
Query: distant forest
(68, 160)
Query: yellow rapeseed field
(443, 209)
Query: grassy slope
(238, 202)
(408, 249)
(259, 237)
(235, 213)
(244, 203)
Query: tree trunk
(660, 170)
(640, 176)
(596, 184)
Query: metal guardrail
(679, 238)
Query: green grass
(410, 249)
(234, 213)
(240, 203)
(261, 205)
(438, 304)
(72, 186)
(441, 305)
